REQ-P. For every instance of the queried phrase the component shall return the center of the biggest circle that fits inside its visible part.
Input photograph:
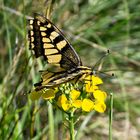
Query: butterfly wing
(53, 79)
(48, 41)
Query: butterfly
(46, 40)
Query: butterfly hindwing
(52, 79)
(47, 40)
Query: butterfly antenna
(106, 74)
(107, 53)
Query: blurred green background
(92, 27)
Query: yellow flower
(62, 99)
(44, 93)
(49, 94)
(90, 88)
(92, 82)
(87, 105)
(35, 95)
(74, 99)
(66, 106)
(77, 103)
(99, 95)
(96, 80)
(74, 94)
(68, 103)
(99, 106)
(63, 102)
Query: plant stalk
(71, 126)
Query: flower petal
(61, 100)
(35, 95)
(100, 95)
(74, 94)
(100, 106)
(49, 94)
(66, 106)
(96, 80)
(90, 88)
(88, 78)
(77, 103)
(87, 105)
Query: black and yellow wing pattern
(48, 41)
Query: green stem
(71, 126)
(51, 122)
(110, 116)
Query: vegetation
(92, 27)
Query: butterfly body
(48, 41)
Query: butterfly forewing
(47, 40)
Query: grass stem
(110, 116)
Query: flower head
(68, 98)
(99, 96)
(70, 101)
